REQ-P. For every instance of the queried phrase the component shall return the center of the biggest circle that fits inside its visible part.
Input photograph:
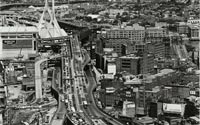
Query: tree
(125, 19)
(189, 48)
(118, 16)
(106, 15)
(125, 13)
(56, 48)
(190, 110)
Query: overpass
(8, 6)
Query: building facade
(129, 63)
(121, 46)
(18, 40)
(134, 33)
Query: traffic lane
(76, 96)
(62, 107)
(94, 107)
(86, 115)
(91, 107)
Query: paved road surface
(92, 108)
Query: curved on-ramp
(38, 77)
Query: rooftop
(134, 27)
(17, 29)
(110, 90)
(194, 26)
(130, 56)
(155, 28)
(161, 73)
(145, 120)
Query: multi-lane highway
(77, 74)
(91, 111)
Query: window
(34, 45)
(4, 36)
(125, 66)
(13, 36)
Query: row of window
(132, 38)
(123, 66)
(194, 21)
(125, 34)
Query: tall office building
(121, 46)
(129, 63)
(147, 63)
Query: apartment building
(134, 33)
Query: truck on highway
(66, 102)
(70, 97)
(62, 97)
(85, 104)
(73, 109)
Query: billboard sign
(55, 40)
(17, 44)
(54, 62)
(130, 105)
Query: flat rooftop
(130, 56)
(18, 29)
(134, 27)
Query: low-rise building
(128, 109)
(18, 40)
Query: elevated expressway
(74, 81)
(69, 87)
(92, 111)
